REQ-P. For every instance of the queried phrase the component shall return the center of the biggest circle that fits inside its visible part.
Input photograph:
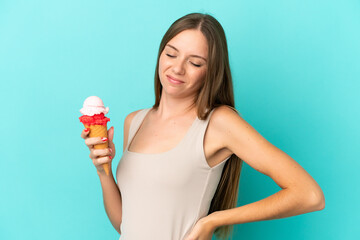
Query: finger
(101, 160)
(111, 138)
(95, 140)
(111, 134)
(85, 133)
(101, 152)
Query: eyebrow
(193, 55)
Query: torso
(155, 136)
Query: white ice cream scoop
(93, 105)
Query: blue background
(296, 75)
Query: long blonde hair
(216, 91)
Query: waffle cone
(100, 131)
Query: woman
(179, 174)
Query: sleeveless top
(165, 194)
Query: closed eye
(196, 65)
(171, 56)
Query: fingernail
(104, 139)
(86, 129)
(110, 149)
(110, 157)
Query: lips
(174, 80)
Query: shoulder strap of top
(197, 140)
(197, 133)
(205, 122)
(203, 125)
(135, 123)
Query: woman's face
(183, 63)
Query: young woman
(178, 177)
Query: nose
(178, 67)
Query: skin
(300, 193)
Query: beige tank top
(165, 194)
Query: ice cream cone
(94, 119)
(100, 131)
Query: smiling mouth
(173, 80)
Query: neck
(171, 107)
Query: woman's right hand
(100, 156)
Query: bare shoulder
(127, 123)
(130, 117)
(223, 113)
(230, 127)
(225, 117)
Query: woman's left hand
(203, 230)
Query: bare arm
(111, 193)
(112, 200)
(300, 193)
